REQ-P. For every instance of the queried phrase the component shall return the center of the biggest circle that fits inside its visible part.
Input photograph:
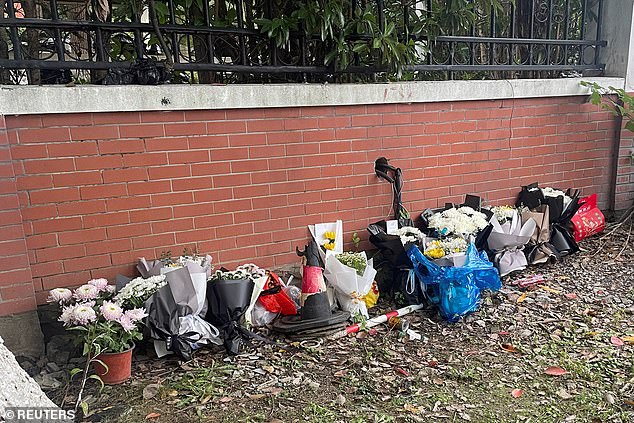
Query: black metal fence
(207, 41)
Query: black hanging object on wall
(393, 175)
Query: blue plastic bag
(456, 290)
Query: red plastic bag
(274, 299)
(588, 220)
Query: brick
(97, 163)
(81, 208)
(67, 119)
(245, 140)
(136, 202)
(145, 159)
(121, 146)
(173, 225)
(173, 198)
(94, 133)
(35, 213)
(209, 141)
(28, 136)
(249, 165)
(72, 149)
(35, 242)
(227, 127)
(153, 241)
(208, 169)
(195, 156)
(33, 182)
(150, 187)
(29, 151)
(150, 215)
(103, 191)
(66, 280)
(189, 128)
(193, 210)
(118, 118)
(10, 217)
(81, 236)
(163, 116)
(106, 219)
(126, 231)
(205, 115)
(164, 144)
(60, 253)
(77, 178)
(168, 172)
(17, 292)
(58, 195)
(141, 131)
(48, 166)
(283, 137)
(212, 221)
(47, 269)
(106, 247)
(125, 175)
(11, 232)
(209, 195)
(86, 263)
(189, 184)
(229, 154)
(20, 261)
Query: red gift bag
(274, 299)
(588, 220)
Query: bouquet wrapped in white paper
(351, 283)
(507, 242)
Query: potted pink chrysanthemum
(106, 330)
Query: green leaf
(84, 408)
(74, 371)
(98, 379)
(105, 366)
(630, 125)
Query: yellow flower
(435, 253)
(329, 245)
(330, 236)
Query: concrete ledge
(22, 333)
(19, 100)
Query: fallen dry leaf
(628, 339)
(555, 371)
(509, 348)
(401, 371)
(522, 297)
(152, 416)
(563, 394)
(615, 340)
(516, 393)
(571, 296)
(548, 289)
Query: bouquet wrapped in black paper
(229, 295)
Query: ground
(491, 367)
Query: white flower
(410, 234)
(86, 292)
(111, 289)
(126, 323)
(136, 314)
(503, 213)
(140, 289)
(83, 314)
(110, 311)
(59, 295)
(100, 283)
(463, 221)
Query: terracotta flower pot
(119, 367)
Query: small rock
(340, 400)
(151, 390)
(52, 367)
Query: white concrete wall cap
(19, 100)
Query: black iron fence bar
(459, 39)
(132, 26)
(46, 64)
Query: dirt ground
(561, 351)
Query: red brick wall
(16, 285)
(98, 190)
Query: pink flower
(66, 316)
(83, 314)
(59, 295)
(126, 323)
(111, 311)
(100, 283)
(136, 314)
(86, 292)
(111, 289)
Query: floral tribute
(103, 322)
